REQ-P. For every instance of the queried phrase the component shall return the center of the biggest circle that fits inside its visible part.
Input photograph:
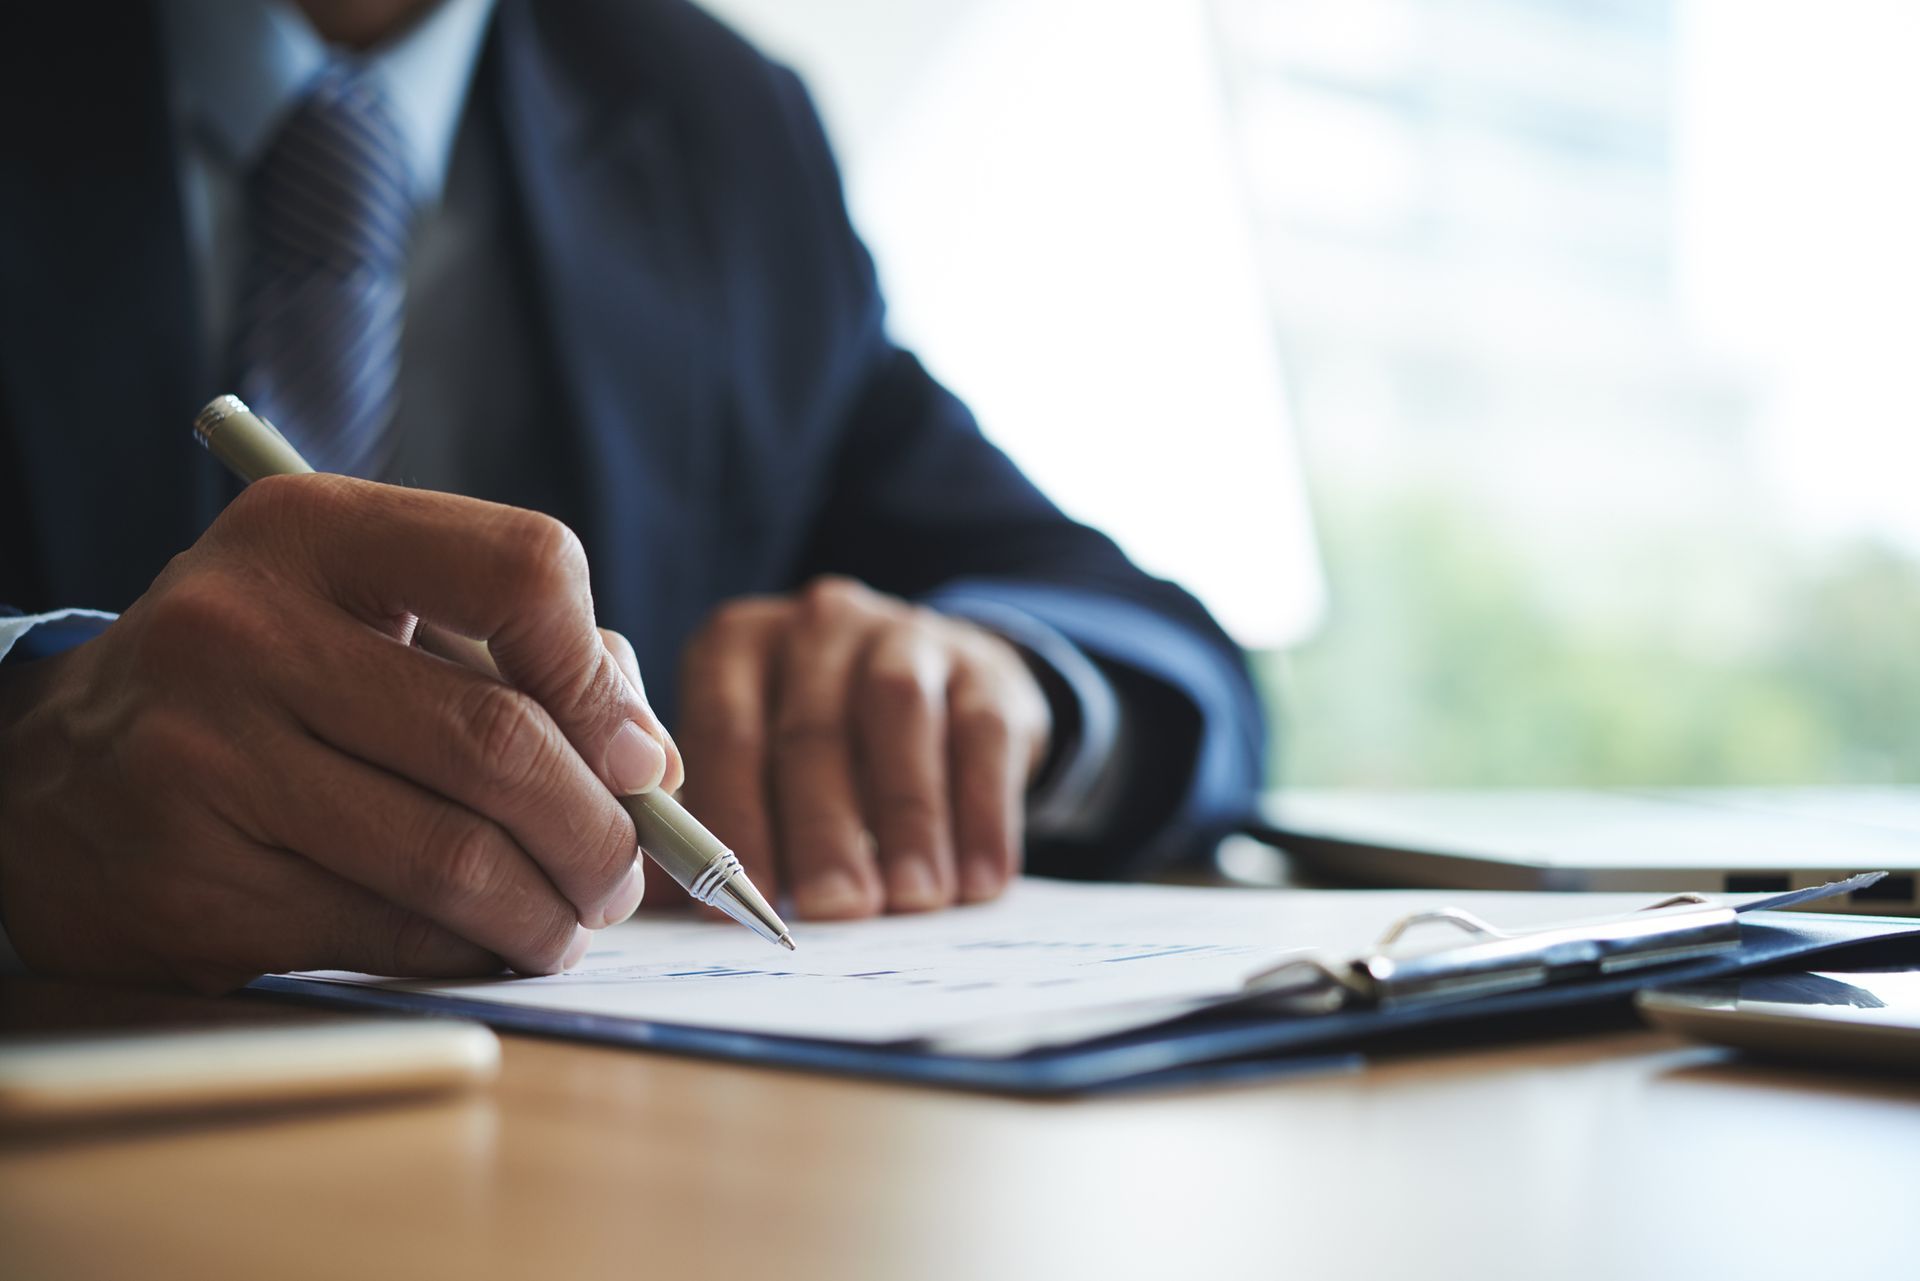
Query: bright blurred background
(1529, 383)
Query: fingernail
(911, 884)
(577, 950)
(635, 760)
(831, 894)
(980, 879)
(627, 901)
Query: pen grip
(675, 839)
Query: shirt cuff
(56, 632)
(53, 632)
(1077, 790)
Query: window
(1599, 318)
(1589, 326)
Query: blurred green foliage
(1442, 664)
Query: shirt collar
(237, 68)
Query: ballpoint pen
(695, 858)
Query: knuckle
(620, 647)
(832, 595)
(618, 846)
(929, 620)
(910, 809)
(291, 511)
(983, 725)
(413, 940)
(546, 942)
(701, 660)
(808, 736)
(720, 622)
(1032, 718)
(270, 496)
(206, 612)
(897, 692)
(507, 731)
(462, 864)
(698, 662)
(813, 840)
(547, 554)
(590, 690)
(713, 646)
(161, 747)
(735, 614)
(725, 733)
(933, 630)
(621, 840)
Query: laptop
(1740, 840)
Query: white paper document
(1070, 959)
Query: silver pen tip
(786, 941)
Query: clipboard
(1267, 1030)
(1490, 960)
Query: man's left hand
(859, 752)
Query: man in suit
(517, 271)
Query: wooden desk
(1628, 1155)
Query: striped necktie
(319, 339)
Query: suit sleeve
(919, 503)
(27, 636)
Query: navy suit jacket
(732, 416)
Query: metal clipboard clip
(1394, 973)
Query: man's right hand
(253, 770)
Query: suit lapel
(610, 234)
(105, 368)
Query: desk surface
(1628, 1155)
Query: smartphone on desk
(1865, 1020)
(74, 1077)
